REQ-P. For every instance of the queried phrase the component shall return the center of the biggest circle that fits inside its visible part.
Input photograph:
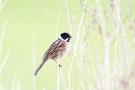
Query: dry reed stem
(2, 5)
(125, 44)
(57, 25)
(63, 80)
(14, 82)
(47, 13)
(4, 61)
(59, 69)
(76, 44)
(18, 86)
(2, 37)
(1, 44)
(116, 42)
(105, 80)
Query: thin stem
(63, 80)
(2, 5)
(89, 7)
(124, 35)
(13, 82)
(4, 61)
(2, 36)
(79, 28)
(118, 25)
(1, 43)
(18, 85)
(58, 74)
(77, 41)
(57, 25)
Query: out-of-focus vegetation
(102, 48)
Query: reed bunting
(57, 50)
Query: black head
(65, 36)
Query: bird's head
(65, 36)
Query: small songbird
(57, 50)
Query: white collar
(62, 38)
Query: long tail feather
(40, 66)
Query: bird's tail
(40, 66)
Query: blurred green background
(27, 18)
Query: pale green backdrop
(27, 18)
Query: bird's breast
(63, 52)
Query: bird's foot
(60, 66)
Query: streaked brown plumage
(57, 50)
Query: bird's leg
(58, 63)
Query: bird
(58, 49)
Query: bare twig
(63, 80)
(57, 25)
(13, 82)
(50, 15)
(124, 35)
(2, 5)
(18, 86)
(117, 30)
(89, 7)
(76, 45)
(58, 74)
(79, 28)
(4, 61)
(1, 43)
(2, 36)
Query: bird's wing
(54, 49)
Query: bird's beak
(70, 36)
